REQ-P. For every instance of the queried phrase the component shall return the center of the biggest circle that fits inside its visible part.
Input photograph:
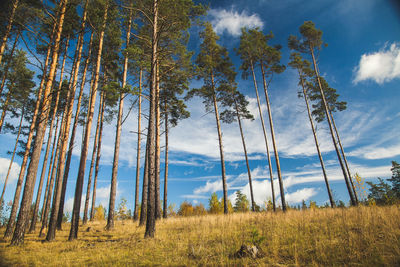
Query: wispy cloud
(382, 66)
(232, 21)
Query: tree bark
(96, 168)
(265, 138)
(349, 189)
(49, 184)
(165, 207)
(136, 210)
(95, 143)
(113, 190)
(13, 155)
(73, 134)
(151, 220)
(158, 152)
(143, 208)
(253, 203)
(331, 200)
(8, 29)
(19, 232)
(278, 166)
(344, 158)
(14, 208)
(221, 151)
(82, 164)
(39, 192)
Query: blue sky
(362, 61)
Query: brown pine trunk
(158, 152)
(136, 210)
(39, 192)
(8, 29)
(331, 200)
(72, 139)
(13, 155)
(344, 158)
(143, 208)
(349, 189)
(253, 203)
(48, 189)
(265, 138)
(96, 141)
(14, 208)
(96, 169)
(23, 215)
(165, 207)
(151, 220)
(221, 151)
(84, 151)
(7, 67)
(278, 166)
(113, 190)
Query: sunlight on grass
(364, 236)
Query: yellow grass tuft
(362, 236)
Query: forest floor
(363, 236)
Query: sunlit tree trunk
(113, 191)
(349, 189)
(14, 208)
(84, 151)
(23, 215)
(278, 166)
(8, 29)
(39, 192)
(265, 138)
(331, 200)
(221, 151)
(136, 210)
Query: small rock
(249, 251)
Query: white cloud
(382, 66)
(232, 21)
(300, 195)
(209, 187)
(14, 172)
(374, 152)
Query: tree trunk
(73, 134)
(151, 220)
(13, 155)
(39, 192)
(165, 207)
(349, 189)
(14, 209)
(96, 141)
(331, 200)
(19, 232)
(7, 67)
(143, 208)
(278, 166)
(265, 138)
(113, 190)
(253, 203)
(82, 164)
(158, 152)
(136, 210)
(49, 188)
(96, 168)
(8, 29)
(344, 158)
(5, 106)
(221, 151)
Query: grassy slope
(365, 236)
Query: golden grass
(364, 236)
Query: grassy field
(364, 236)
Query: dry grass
(365, 236)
